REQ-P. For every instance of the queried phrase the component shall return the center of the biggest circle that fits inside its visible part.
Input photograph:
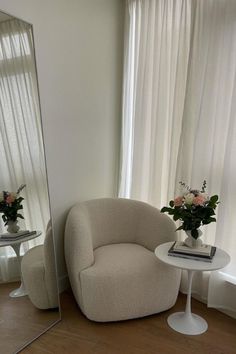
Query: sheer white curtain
(158, 37)
(208, 140)
(179, 116)
(21, 145)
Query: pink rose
(178, 201)
(199, 200)
(10, 198)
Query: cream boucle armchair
(112, 268)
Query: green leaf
(214, 199)
(176, 217)
(171, 204)
(164, 210)
(19, 200)
(208, 221)
(194, 233)
(167, 210)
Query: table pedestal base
(21, 291)
(187, 322)
(190, 324)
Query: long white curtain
(21, 144)
(179, 110)
(157, 49)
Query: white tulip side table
(187, 322)
(15, 244)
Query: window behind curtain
(21, 144)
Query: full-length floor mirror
(29, 302)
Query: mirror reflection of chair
(112, 268)
(39, 273)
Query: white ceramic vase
(190, 241)
(12, 226)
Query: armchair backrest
(123, 220)
(111, 221)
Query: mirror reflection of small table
(187, 322)
(15, 244)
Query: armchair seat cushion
(126, 281)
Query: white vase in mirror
(12, 227)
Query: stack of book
(15, 236)
(203, 253)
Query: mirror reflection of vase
(12, 226)
(22, 161)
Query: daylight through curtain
(21, 145)
(179, 116)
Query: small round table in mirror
(15, 244)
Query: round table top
(220, 259)
(10, 242)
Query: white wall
(79, 46)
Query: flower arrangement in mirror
(10, 204)
(193, 208)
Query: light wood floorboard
(20, 321)
(150, 335)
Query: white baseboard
(63, 283)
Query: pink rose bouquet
(10, 203)
(193, 208)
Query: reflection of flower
(10, 198)
(194, 208)
(10, 203)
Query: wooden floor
(150, 335)
(20, 321)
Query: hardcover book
(15, 236)
(204, 253)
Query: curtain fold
(179, 115)
(156, 62)
(21, 144)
